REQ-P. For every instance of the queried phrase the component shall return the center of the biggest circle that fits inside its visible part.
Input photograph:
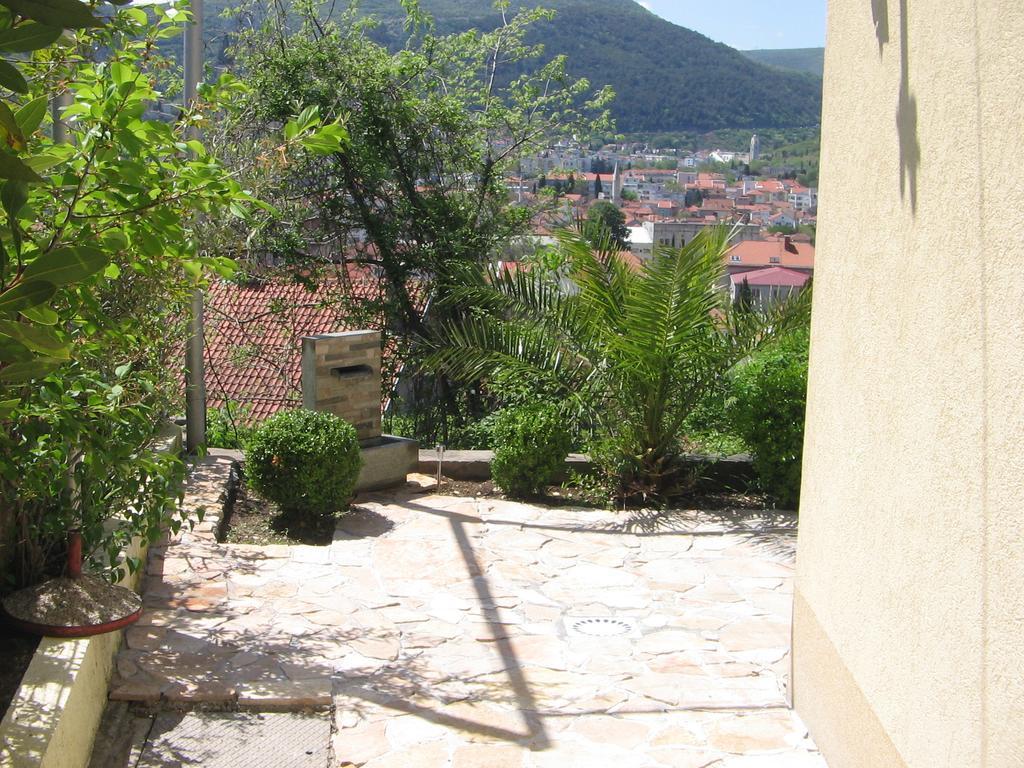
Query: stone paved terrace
(440, 631)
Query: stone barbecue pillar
(341, 374)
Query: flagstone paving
(440, 631)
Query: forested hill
(666, 77)
(810, 60)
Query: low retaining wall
(715, 472)
(54, 716)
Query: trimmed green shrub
(228, 426)
(767, 410)
(305, 461)
(530, 447)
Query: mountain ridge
(666, 77)
(809, 60)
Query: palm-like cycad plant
(634, 349)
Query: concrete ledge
(475, 466)
(386, 462)
(54, 716)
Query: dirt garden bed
(251, 519)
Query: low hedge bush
(767, 410)
(305, 461)
(531, 444)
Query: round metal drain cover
(601, 627)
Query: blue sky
(747, 24)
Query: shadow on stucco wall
(906, 109)
(906, 118)
(880, 13)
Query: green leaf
(69, 264)
(12, 167)
(223, 266)
(321, 146)
(28, 37)
(38, 338)
(42, 315)
(25, 295)
(63, 14)
(15, 138)
(31, 115)
(135, 14)
(148, 243)
(114, 240)
(41, 163)
(12, 79)
(16, 373)
(7, 407)
(13, 196)
(12, 351)
(121, 73)
(112, 272)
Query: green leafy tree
(32, 270)
(418, 191)
(604, 219)
(98, 258)
(635, 351)
(434, 129)
(744, 297)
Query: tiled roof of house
(631, 260)
(773, 251)
(253, 349)
(718, 204)
(772, 276)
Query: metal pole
(195, 374)
(194, 52)
(58, 104)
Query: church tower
(755, 148)
(617, 185)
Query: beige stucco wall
(909, 614)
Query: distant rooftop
(254, 333)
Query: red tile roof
(631, 260)
(772, 276)
(254, 333)
(759, 253)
